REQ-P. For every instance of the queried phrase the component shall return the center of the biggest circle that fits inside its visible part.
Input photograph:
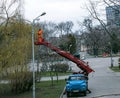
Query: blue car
(76, 83)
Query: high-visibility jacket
(40, 32)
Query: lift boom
(81, 64)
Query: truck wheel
(84, 93)
(68, 94)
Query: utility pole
(33, 57)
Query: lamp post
(111, 57)
(111, 54)
(33, 58)
(70, 68)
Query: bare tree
(94, 38)
(60, 27)
(8, 10)
(68, 27)
(94, 13)
(111, 2)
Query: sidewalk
(54, 78)
(42, 79)
(4, 81)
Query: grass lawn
(43, 90)
(115, 69)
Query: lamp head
(43, 14)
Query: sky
(56, 10)
(59, 11)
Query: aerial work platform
(81, 64)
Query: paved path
(54, 78)
(104, 83)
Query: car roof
(73, 75)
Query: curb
(61, 96)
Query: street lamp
(111, 54)
(33, 59)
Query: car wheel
(68, 94)
(84, 93)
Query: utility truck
(73, 85)
(76, 84)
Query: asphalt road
(103, 83)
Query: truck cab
(76, 84)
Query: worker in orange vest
(40, 32)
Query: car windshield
(77, 78)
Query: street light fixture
(33, 57)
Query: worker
(40, 32)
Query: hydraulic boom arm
(81, 64)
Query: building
(113, 15)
